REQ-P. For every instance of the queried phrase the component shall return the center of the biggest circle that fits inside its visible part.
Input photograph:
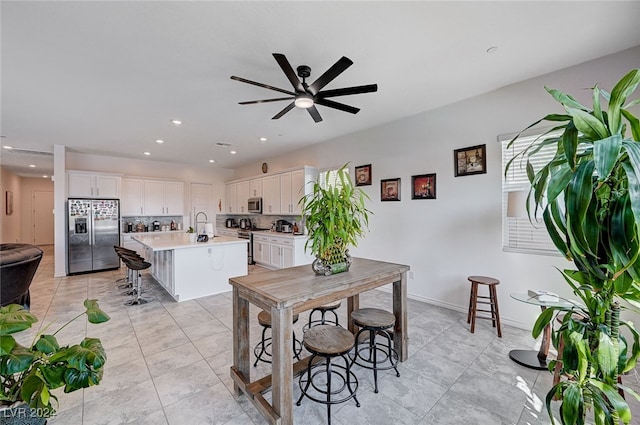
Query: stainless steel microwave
(254, 205)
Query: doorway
(42, 218)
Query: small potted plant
(335, 216)
(29, 374)
(192, 234)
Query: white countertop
(164, 242)
(157, 232)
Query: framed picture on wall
(390, 189)
(471, 160)
(9, 202)
(423, 186)
(363, 175)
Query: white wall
(459, 233)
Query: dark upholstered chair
(18, 265)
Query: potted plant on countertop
(335, 216)
(589, 197)
(192, 234)
(28, 374)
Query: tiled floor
(168, 363)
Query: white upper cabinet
(158, 198)
(271, 194)
(132, 200)
(231, 198)
(280, 192)
(243, 195)
(92, 185)
(255, 188)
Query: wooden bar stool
(492, 302)
(374, 354)
(262, 350)
(324, 320)
(327, 384)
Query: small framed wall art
(390, 189)
(363, 175)
(423, 186)
(471, 160)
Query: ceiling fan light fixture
(304, 101)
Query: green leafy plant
(190, 230)
(336, 216)
(589, 198)
(30, 373)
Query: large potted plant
(589, 197)
(28, 374)
(335, 216)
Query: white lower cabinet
(278, 252)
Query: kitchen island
(189, 270)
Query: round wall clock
(265, 167)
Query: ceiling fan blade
(289, 72)
(348, 90)
(313, 111)
(331, 73)
(336, 105)
(284, 111)
(251, 102)
(266, 86)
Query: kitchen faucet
(206, 219)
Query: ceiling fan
(307, 96)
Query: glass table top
(560, 302)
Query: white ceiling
(108, 77)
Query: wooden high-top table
(293, 290)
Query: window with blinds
(519, 234)
(333, 178)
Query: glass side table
(531, 358)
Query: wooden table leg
(400, 331)
(282, 364)
(241, 337)
(353, 303)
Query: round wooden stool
(492, 302)
(262, 349)
(373, 355)
(323, 320)
(330, 342)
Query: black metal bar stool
(372, 354)
(137, 267)
(492, 302)
(262, 349)
(323, 320)
(330, 342)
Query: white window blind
(518, 233)
(333, 177)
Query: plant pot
(321, 269)
(192, 237)
(19, 413)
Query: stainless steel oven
(246, 234)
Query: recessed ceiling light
(212, 161)
(8, 147)
(263, 139)
(32, 166)
(160, 141)
(492, 49)
(44, 176)
(176, 122)
(233, 152)
(147, 153)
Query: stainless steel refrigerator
(93, 228)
